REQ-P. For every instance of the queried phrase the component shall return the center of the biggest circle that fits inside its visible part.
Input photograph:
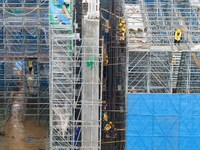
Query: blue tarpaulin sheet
(61, 2)
(58, 13)
(163, 122)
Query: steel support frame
(69, 58)
(153, 70)
(18, 46)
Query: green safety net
(91, 62)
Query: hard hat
(121, 38)
(178, 30)
(123, 30)
(110, 122)
(121, 24)
(122, 21)
(104, 102)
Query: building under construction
(97, 74)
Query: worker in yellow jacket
(122, 24)
(177, 36)
(30, 66)
(122, 32)
(105, 59)
(110, 130)
(107, 129)
(122, 36)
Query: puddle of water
(20, 135)
(25, 136)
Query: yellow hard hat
(121, 24)
(178, 30)
(110, 122)
(104, 102)
(122, 21)
(123, 30)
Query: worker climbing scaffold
(105, 118)
(122, 32)
(104, 105)
(110, 130)
(77, 131)
(30, 67)
(177, 36)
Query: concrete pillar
(90, 93)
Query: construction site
(97, 74)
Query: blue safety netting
(163, 122)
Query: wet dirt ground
(27, 136)
(22, 135)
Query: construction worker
(105, 118)
(113, 131)
(122, 24)
(105, 105)
(122, 39)
(177, 36)
(122, 32)
(174, 59)
(107, 129)
(122, 36)
(76, 135)
(105, 59)
(30, 66)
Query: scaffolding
(155, 63)
(23, 38)
(75, 82)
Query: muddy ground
(23, 134)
